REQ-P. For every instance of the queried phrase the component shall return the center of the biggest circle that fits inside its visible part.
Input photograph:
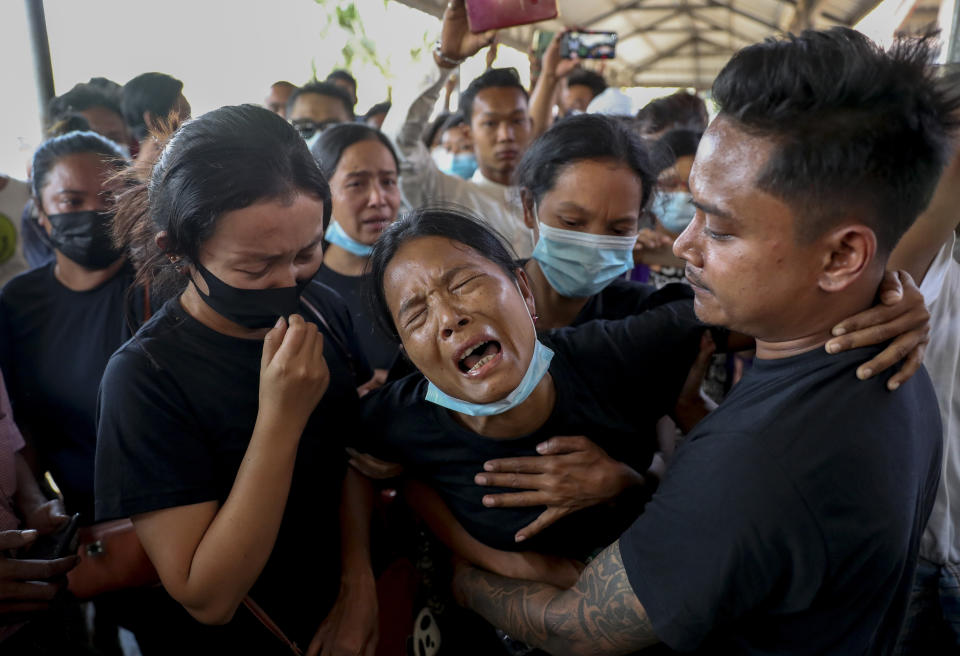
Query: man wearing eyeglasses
(316, 106)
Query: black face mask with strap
(85, 237)
(251, 308)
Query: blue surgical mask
(462, 165)
(580, 264)
(539, 365)
(674, 210)
(335, 234)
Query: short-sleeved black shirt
(381, 350)
(613, 380)
(54, 346)
(789, 521)
(177, 409)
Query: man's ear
(849, 252)
(526, 290)
(529, 216)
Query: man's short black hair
(860, 131)
(586, 78)
(495, 77)
(679, 111)
(323, 89)
(81, 97)
(343, 76)
(156, 93)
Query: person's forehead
(79, 171)
(368, 154)
(730, 157)
(499, 100)
(426, 259)
(318, 107)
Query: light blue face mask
(539, 364)
(335, 234)
(674, 210)
(462, 165)
(579, 264)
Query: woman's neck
(79, 279)
(342, 261)
(521, 420)
(553, 310)
(196, 307)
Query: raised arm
(553, 70)
(208, 556)
(420, 179)
(599, 615)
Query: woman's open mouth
(476, 358)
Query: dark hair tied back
(225, 160)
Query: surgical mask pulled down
(580, 264)
(539, 365)
(335, 234)
(536, 370)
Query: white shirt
(12, 199)
(422, 183)
(941, 291)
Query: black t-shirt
(178, 405)
(54, 346)
(789, 521)
(623, 298)
(381, 351)
(600, 370)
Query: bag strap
(147, 310)
(261, 615)
(333, 335)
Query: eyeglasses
(308, 127)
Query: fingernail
(893, 385)
(833, 348)
(481, 480)
(863, 374)
(488, 501)
(839, 330)
(487, 466)
(541, 448)
(520, 538)
(28, 533)
(279, 322)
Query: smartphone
(541, 41)
(589, 45)
(56, 545)
(483, 15)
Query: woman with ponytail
(222, 423)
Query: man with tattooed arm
(790, 519)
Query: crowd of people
(534, 376)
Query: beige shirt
(422, 183)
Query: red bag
(111, 558)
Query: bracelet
(447, 61)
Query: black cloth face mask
(251, 308)
(85, 238)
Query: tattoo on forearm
(599, 615)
